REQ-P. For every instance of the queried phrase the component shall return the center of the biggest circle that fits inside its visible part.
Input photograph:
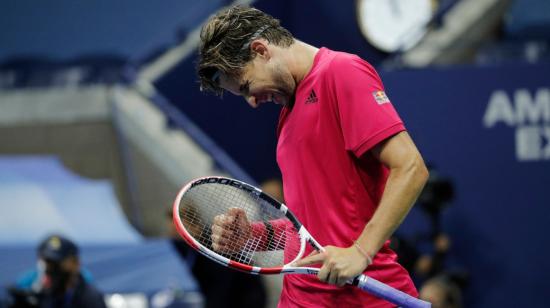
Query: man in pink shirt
(350, 171)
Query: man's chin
(285, 101)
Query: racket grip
(388, 293)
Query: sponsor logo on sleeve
(380, 97)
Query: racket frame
(287, 268)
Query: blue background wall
(499, 220)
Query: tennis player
(350, 170)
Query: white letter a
(499, 109)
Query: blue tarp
(39, 196)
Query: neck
(301, 57)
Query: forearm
(403, 186)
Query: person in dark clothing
(57, 282)
(220, 286)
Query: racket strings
(255, 245)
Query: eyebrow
(245, 87)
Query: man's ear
(261, 49)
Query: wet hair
(225, 43)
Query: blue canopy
(39, 196)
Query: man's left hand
(339, 265)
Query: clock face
(394, 25)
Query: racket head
(259, 251)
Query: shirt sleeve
(366, 114)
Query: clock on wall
(394, 25)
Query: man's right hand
(230, 231)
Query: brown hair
(225, 41)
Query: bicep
(398, 151)
(363, 118)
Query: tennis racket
(239, 226)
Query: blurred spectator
(57, 281)
(220, 286)
(442, 292)
(429, 265)
(423, 248)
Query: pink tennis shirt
(331, 182)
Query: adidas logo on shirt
(312, 98)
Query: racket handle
(388, 293)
